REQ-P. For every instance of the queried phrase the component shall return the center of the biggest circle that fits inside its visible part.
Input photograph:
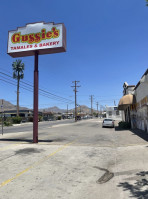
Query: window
(117, 112)
(110, 120)
(110, 113)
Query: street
(73, 160)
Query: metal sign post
(33, 40)
(35, 117)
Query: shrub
(16, 120)
(59, 118)
(124, 125)
(30, 119)
(8, 121)
(40, 118)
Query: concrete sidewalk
(77, 161)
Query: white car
(108, 123)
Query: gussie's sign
(35, 38)
(46, 38)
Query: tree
(146, 2)
(18, 74)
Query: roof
(14, 111)
(146, 72)
(131, 86)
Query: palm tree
(18, 74)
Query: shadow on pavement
(117, 128)
(31, 141)
(24, 140)
(137, 132)
(138, 189)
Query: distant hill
(83, 109)
(8, 106)
(53, 109)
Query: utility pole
(91, 98)
(80, 109)
(97, 110)
(75, 90)
(67, 111)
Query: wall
(111, 112)
(141, 93)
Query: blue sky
(107, 44)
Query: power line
(42, 94)
(50, 95)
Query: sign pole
(35, 113)
(34, 40)
(2, 116)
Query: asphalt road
(73, 160)
(29, 126)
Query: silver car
(108, 123)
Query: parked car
(85, 117)
(108, 123)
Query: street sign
(36, 39)
(46, 38)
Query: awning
(125, 101)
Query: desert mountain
(8, 106)
(53, 109)
(83, 109)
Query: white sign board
(46, 38)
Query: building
(126, 101)
(135, 103)
(141, 108)
(112, 112)
(13, 113)
(26, 114)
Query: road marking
(36, 164)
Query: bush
(124, 125)
(7, 123)
(16, 120)
(40, 118)
(30, 119)
(59, 118)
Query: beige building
(135, 103)
(141, 109)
